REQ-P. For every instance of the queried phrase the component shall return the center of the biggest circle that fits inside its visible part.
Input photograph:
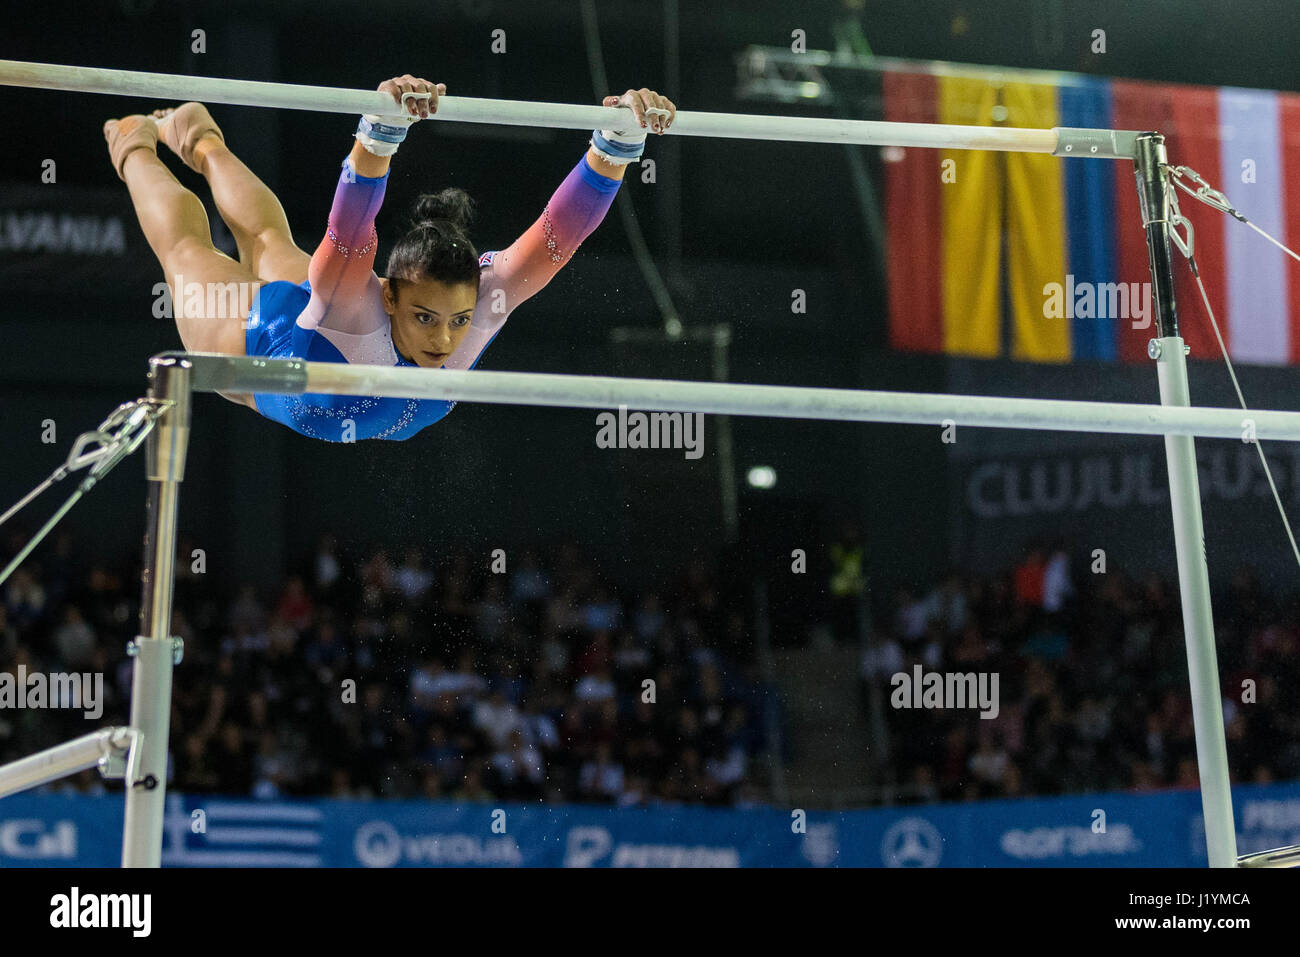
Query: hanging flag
(1289, 122)
(1089, 225)
(913, 212)
(1035, 218)
(1250, 144)
(971, 192)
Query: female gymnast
(441, 303)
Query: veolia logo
(378, 844)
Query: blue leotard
(273, 331)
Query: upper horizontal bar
(1100, 144)
(242, 374)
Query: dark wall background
(757, 220)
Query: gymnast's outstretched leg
(176, 226)
(246, 204)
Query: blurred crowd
(1093, 682)
(369, 674)
(385, 676)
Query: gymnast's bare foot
(127, 135)
(190, 132)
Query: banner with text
(1106, 830)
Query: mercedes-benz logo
(912, 842)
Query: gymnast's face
(429, 318)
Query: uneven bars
(1058, 141)
(242, 374)
(64, 759)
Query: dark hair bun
(450, 205)
(436, 245)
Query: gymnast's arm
(581, 202)
(604, 167)
(573, 212)
(345, 292)
(514, 274)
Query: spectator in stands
(490, 612)
(518, 768)
(1058, 588)
(1029, 579)
(913, 617)
(326, 568)
(295, 606)
(945, 605)
(472, 788)
(649, 619)
(74, 640)
(601, 778)
(848, 581)
(24, 599)
(247, 615)
(195, 771)
(441, 756)
(497, 719)
(232, 761)
(597, 656)
(414, 579)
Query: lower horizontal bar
(242, 374)
(63, 760)
(1103, 144)
(1277, 857)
